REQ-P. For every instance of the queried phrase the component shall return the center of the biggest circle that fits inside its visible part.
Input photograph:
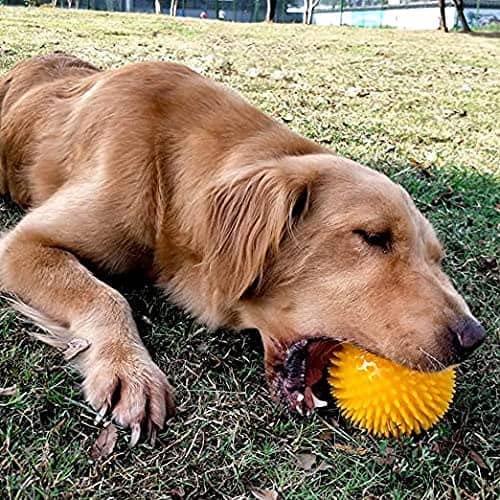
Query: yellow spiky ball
(385, 398)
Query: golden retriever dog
(241, 221)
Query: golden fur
(243, 222)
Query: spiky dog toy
(385, 398)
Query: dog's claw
(299, 410)
(318, 403)
(101, 414)
(152, 432)
(135, 435)
(152, 436)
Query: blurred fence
(228, 10)
(411, 14)
(231, 10)
(408, 14)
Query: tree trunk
(173, 7)
(271, 10)
(459, 4)
(309, 6)
(157, 7)
(442, 16)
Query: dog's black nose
(469, 334)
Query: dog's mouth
(302, 379)
(301, 375)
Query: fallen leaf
(352, 91)
(387, 460)
(415, 163)
(59, 425)
(431, 156)
(455, 112)
(202, 347)
(463, 451)
(306, 461)
(323, 466)
(253, 72)
(197, 68)
(490, 263)
(325, 140)
(477, 459)
(355, 92)
(326, 435)
(147, 320)
(177, 493)
(277, 75)
(226, 67)
(351, 449)
(75, 347)
(105, 443)
(8, 391)
(262, 494)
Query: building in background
(405, 14)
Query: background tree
(173, 7)
(271, 10)
(157, 7)
(459, 4)
(442, 16)
(309, 6)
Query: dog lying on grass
(241, 221)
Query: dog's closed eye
(382, 240)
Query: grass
(422, 107)
(491, 28)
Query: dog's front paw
(132, 389)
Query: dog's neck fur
(196, 282)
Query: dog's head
(317, 249)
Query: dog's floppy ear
(251, 209)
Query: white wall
(417, 18)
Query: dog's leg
(38, 267)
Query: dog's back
(25, 77)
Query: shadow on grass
(484, 34)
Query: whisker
(434, 361)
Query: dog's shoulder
(38, 71)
